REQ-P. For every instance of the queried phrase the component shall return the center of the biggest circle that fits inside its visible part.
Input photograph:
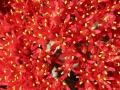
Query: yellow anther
(86, 74)
(93, 70)
(118, 12)
(103, 86)
(56, 35)
(114, 28)
(48, 83)
(80, 82)
(93, 35)
(62, 73)
(118, 82)
(65, 2)
(99, 76)
(4, 71)
(64, 83)
(105, 79)
(95, 64)
(68, 74)
(83, 16)
(105, 67)
(87, 81)
(106, 72)
(64, 43)
(81, 70)
(76, 7)
(86, 37)
(31, 76)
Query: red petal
(67, 18)
(62, 56)
(104, 1)
(88, 86)
(97, 31)
(94, 50)
(107, 86)
(78, 55)
(111, 69)
(89, 18)
(83, 48)
(77, 15)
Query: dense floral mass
(81, 37)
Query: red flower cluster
(38, 35)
